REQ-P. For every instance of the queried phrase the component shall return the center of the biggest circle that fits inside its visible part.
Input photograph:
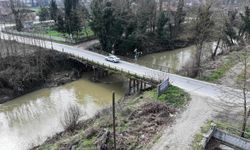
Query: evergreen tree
(53, 10)
(162, 21)
(107, 23)
(76, 22)
(43, 14)
(72, 17)
(60, 24)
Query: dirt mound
(151, 108)
(139, 127)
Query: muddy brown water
(28, 120)
(175, 60)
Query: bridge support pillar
(136, 86)
(98, 73)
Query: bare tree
(18, 10)
(71, 117)
(246, 113)
(202, 29)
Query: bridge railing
(152, 78)
(150, 65)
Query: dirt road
(180, 135)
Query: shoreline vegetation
(139, 121)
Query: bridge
(132, 70)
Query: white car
(112, 58)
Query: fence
(9, 30)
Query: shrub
(70, 118)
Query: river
(28, 120)
(174, 60)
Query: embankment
(29, 71)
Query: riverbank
(226, 69)
(139, 122)
(28, 68)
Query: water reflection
(32, 118)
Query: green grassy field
(82, 34)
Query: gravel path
(180, 135)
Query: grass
(174, 96)
(55, 33)
(49, 147)
(233, 130)
(219, 72)
(82, 34)
(229, 62)
(196, 144)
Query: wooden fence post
(114, 120)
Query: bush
(175, 96)
(70, 118)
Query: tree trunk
(246, 115)
(160, 5)
(216, 49)
(197, 63)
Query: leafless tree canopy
(70, 118)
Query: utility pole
(113, 102)
(51, 42)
